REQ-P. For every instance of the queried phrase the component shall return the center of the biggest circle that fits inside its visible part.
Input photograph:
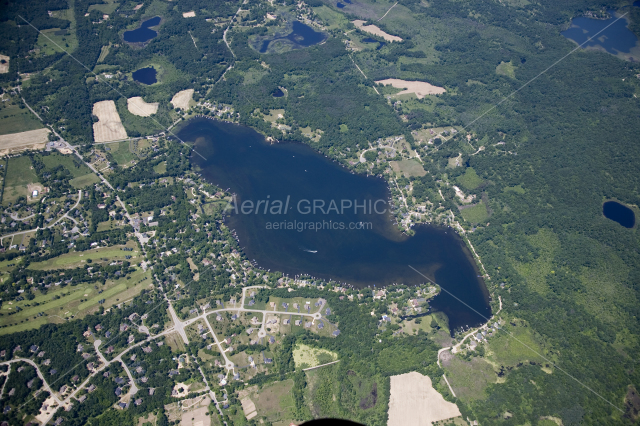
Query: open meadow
(19, 175)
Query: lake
(617, 39)
(278, 93)
(300, 35)
(143, 34)
(145, 75)
(619, 213)
(358, 246)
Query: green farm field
(14, 119)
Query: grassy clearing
(509, 349)
(274, 114)
(104, 51)
(14, 119)
(507, 69)
(469, 380)
(161, 168)
(20, 173)
(475, 214)
(109, 7)
(518, 189)
(275, 402)
(83, 181)
(306, 356)
(408, 168)
(536, 271)
(76, 259)
(121, 152)
(175, 342)
(69, 162)
(470, 179)
(141, 126)
(65, 39)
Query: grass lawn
(76, 259)
(84, 181)
(109, 7)
(77, 301)
(121, 152)
(408, 168)
(475, 214)
(470, 179)
(161, 168)
(69, 162)
(20, 173)
(14, 119)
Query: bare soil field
(414, 401)
(4, 64)
(137, 106)
(373, 29)
(182, 98)
(109, 127)
(420, 88)
(32, 139)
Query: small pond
(619, 213)
(143, 34)
(381, 44)
(278, 93)
(616, 39)
(340, 5)
(145, 75)
(301, 35)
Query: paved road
(51, 225)
(177, 324)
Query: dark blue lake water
(145, 75)
(615, 39)
(340, 5)
(619, 213)
(301, 35)
(142, 34)
(378, 254)
(278, 93)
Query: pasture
(19, 175)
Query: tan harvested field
(109, 127)
(414, 401)
(248, 407)
(137, 106)
(373, 29)
(182, 98)
(32, 139)
(4, 64)
(191, 14)
(199, 417)
(420, 88)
